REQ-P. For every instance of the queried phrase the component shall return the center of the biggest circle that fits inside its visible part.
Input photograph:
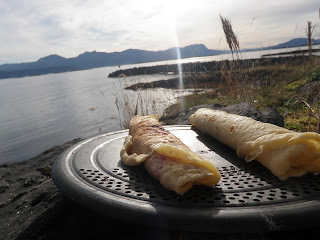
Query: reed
(231, 38)
(240, 84)
(139, 102)
(314, 112)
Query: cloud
(33, 29)
(274, 21)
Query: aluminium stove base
(248, 197)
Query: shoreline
(301, 52)
(198, 73)
(202, 67)
(27, 191)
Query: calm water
(39, 112)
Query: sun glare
(171, 16)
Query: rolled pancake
(165, 156)
(284, 152)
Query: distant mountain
(55, 63)
(296, 42)
(87, 60)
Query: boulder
(268, 115)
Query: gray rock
(271, 115)
(244, 109)
(268, 115)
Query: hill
(296, 42)
(87, 60)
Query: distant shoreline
(202, 67)
(291, 53)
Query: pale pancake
(286, 153)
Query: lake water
(39, 112)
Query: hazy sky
(31, 29)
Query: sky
(31, 29)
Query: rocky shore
(31, 207)
(296, 52)
(203, 67)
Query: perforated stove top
(248, 197)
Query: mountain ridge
(56, 64)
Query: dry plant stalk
(235, 78)
(309, 32)
(312, 113)
(231, 38)
(309, 37)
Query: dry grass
(130, 103)
(231, 38)
(312, 112)
(240, 85)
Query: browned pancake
(165, 156)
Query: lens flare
(180, 85)
(174, 33)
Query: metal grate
(238, 187)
